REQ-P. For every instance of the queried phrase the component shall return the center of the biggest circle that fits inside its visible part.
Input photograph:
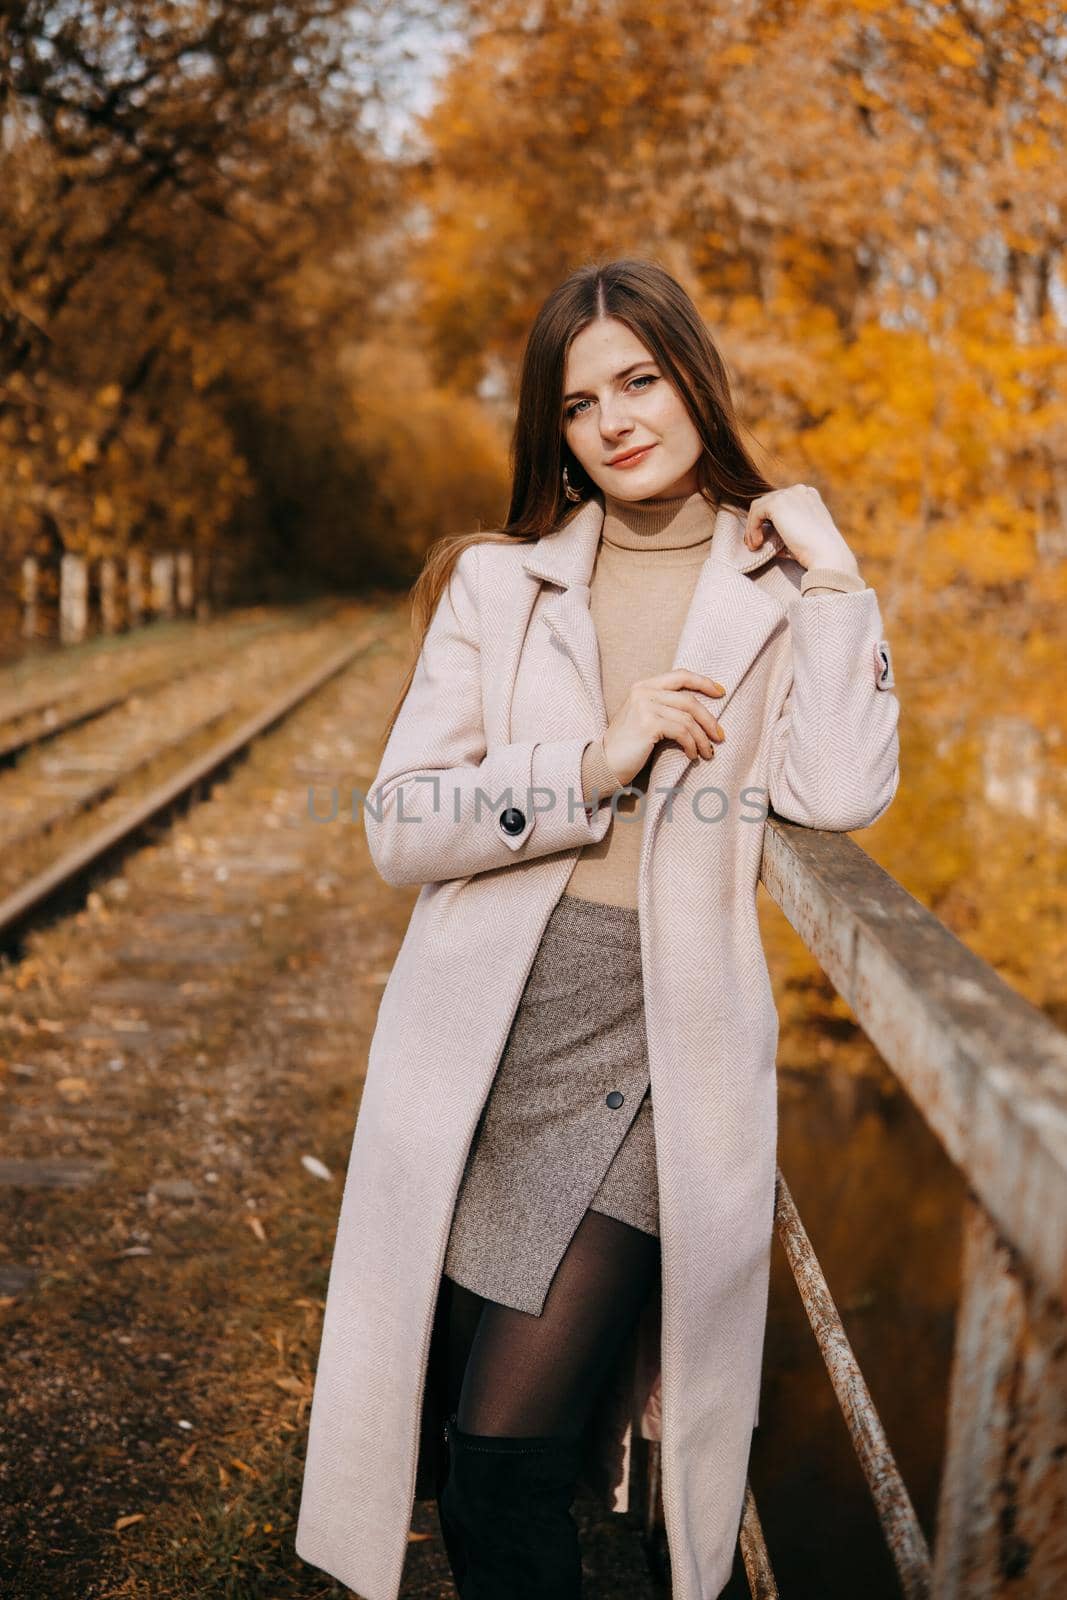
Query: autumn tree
(186, 195)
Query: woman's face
(617, 401)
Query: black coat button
(615, 1098)
(513, 820)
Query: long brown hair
(655, 308)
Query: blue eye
(642, 377)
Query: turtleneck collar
(679, 522)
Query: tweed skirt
(567, 1123)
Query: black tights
(512, 1373)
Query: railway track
(108, 673)
(125, 761)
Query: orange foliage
(866, 203)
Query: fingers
(755, 531)
(671, 709)
(686, 731)
(758, 520)
(680, 714)
(706, 719)
(686, 712)
(682, 678)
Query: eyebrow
(648, 361)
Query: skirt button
(615, 1098)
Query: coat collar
(567, 555)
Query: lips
(632, 458)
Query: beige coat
(505, 697)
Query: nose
(614, 424)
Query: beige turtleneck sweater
(646, 569)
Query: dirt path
(179, 1064)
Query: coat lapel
(566, 558)
(571, 621)
(728, 621)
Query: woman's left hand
(799, 515)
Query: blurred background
(266, 272)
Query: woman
(567, 1133)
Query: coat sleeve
(835, 756)
(442, 805)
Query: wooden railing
(69, 597)
(988, 1072)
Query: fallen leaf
(317, 1168)
(126, 1522)
(291, 1385)
(74, 1088)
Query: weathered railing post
(185, 581)
(30, 591)
(134, 589)
(1002, 1522)
(988, 1072)
(109, 611)
(161, 571)
(73, 598)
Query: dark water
(882, 1206)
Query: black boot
(509, 1498)
(455, 1547)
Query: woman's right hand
(663, 707)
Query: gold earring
(572, 494)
